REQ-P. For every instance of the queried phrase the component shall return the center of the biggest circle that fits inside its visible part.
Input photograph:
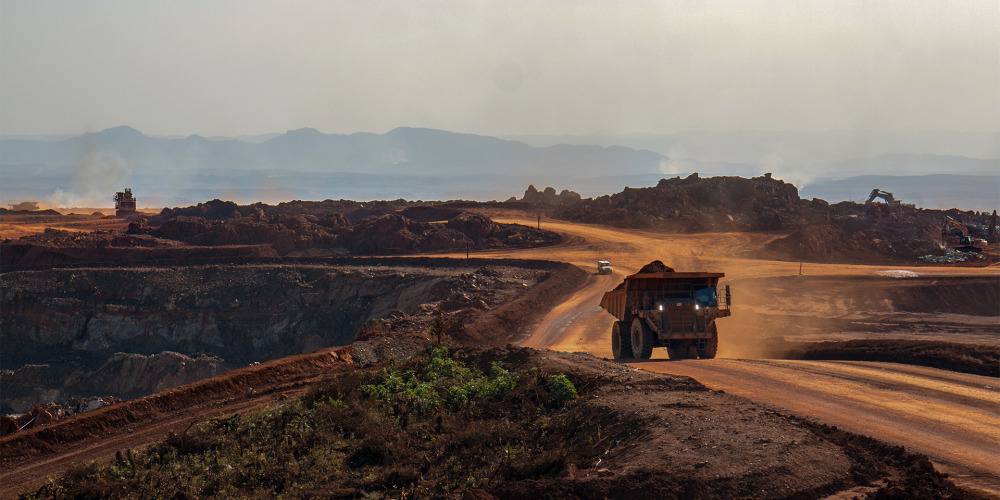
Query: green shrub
(441, 379)
(563, 389)
(426, 427)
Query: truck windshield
(706, 296)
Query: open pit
(130, 331)
(834, 303)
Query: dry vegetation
(422, 429)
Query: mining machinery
(124, 203)
(885, 195)
(966, 243)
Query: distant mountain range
(411, 151)
(416, 163)
(790, 149)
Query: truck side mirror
(728, 296)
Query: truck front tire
(642, 339)
(621, 342)
(712, 344)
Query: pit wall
(184, 323)
(242, 314)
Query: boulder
(475, 226)
(8, 425)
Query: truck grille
(680, 318)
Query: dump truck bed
(660, 284)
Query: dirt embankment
(679, 440)
(54, 252)
(199, 400)
(964, 358)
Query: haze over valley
(931, 170)
(499, 250)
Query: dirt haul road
(25, 460)
(949, 416)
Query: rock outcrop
(548, 196)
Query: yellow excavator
(966, 243)
(885, 195)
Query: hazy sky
(253, 67)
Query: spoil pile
(221, 210)
(952, 256)
(820, 232)
(248, 231)
(96, 239)
(390, 233)
(696, 204)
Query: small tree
(439, 327)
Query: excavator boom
(948, 221)
(885, 195)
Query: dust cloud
(99, 174)
(270, 190)
(762, 331)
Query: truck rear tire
(621, 342)
(711, 345)
(642, 339)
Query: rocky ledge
(131, 331)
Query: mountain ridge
(403, 150)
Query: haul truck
(669, 309)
